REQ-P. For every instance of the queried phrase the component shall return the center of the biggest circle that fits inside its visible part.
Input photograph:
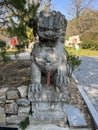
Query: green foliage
(19, 31)
(23, 125)
(72, 63)
(20, 48)
(21, 11)
(2, 44)
(29, 33)
(4, 57)
(18, 4)
(87, 27)
(92, 45)
(3, 52)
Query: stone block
(2, 116)
(15, 119)
(11, 108)
(48, 117)
(23, 102)
(47, 95)
(23, 90)
(75, 118)
(46, 106)
(12, 94)
(2, 100)
(3, 96)
(9, 101)
(45, 127)
(79, 129)
(24, 110)
(3, 91)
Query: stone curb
(88, 103)
(90, 107)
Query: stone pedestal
(47, 105)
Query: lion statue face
(51, 26)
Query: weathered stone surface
(90, 106)
(14, 119)
(24, 110)
(23, 91)
(2, 116)
(75, 118)
(2, 100)
(47, 55)
(46, 106)
(12, 126)
(47, 94)
(3, 96)
(79, 129)
(48, 117)
(9, 101)
(51, 127)
(23, 102)
(3, 91)
(46, 127)
(12, 94)
(30, 94)
(11, 108)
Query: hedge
(93, 45)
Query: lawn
(82, 52)
(11, 51)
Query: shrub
(23, 125)
(20, 48)
(72, 63)
(93, 45)
(2, 44)
(3, 51)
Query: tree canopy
(77, 7)
(87, 26)
(17, 14)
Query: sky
(60, 5)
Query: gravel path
(87, 75)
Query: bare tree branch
(77, 7)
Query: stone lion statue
(47, 56)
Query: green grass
(11, 51)
(82, 52)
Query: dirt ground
(14, 73)
(17, 73)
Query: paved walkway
(24, 55)
(87, 75)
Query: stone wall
(17, 104)
(14, 105)
(47, 107)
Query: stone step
(90, 106)
(51, 127)
(75, 118)
(48, 117)
(40, 127)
